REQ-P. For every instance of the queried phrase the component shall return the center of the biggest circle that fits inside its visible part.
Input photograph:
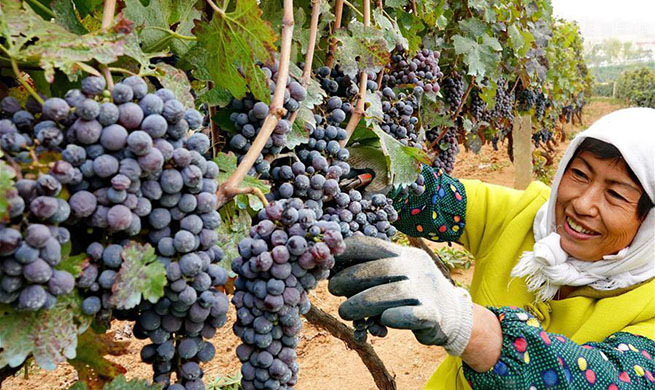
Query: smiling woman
(563, 294)
(600, 202)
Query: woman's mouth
(578, 231)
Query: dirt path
(325, 363)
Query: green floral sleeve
(533, 359)
(438, 213)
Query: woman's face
(596, 207)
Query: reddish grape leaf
(30, 39)
(90, 363)
(231, 44)
(141, 274)
(48, 335)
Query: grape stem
(107, 18)
(352, 7)
(309, 57)
(459, 109)
(253, 191)
(230, 187)
(358, 112)
(25, 84)
(338, 12)
(383, 379)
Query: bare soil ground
(325, 362)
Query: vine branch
(338, 12)
(309, 55)
(230, 187)
(383, 379)
(358, 112)
(107, 18)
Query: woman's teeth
(577, 227)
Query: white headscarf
(548, 266)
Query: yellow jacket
(498, 230)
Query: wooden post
(522, 152)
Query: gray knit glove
(404, 286)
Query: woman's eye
(616, 195)
(579, 173)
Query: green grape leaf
(373, 111)
(412, 28)
(92, 367)
(235, 225)
(396, 3)
(390, 29)
(473, 27)
(364, 43)
(30, 39)
(372, 157)
(7, 175)
(215, 97)
(86, 7)
(141, 274)
(65, 15)
(227, 164)
(50, 336)
(176, 80)
(120, 383)
(402, 161)
(521, 41)
(299, 133)
(235, 40)
(155, 23)
(481, 58)
(71, 264)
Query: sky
(632, 20)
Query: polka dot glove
(533, 359)
(404, 286)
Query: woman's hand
(404, 286)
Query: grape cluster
(526, 99)
(453, 90)
(336, 83)
(541, 136)
(358, 216)
(504, 103)
(448, 149)
(180, 324)
(477, 106)
(133, 170)
(422, 70)
(31, 250)
(248, 116)
(567, 113)
(400, 118)
(288, 251)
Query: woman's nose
(586, 203)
